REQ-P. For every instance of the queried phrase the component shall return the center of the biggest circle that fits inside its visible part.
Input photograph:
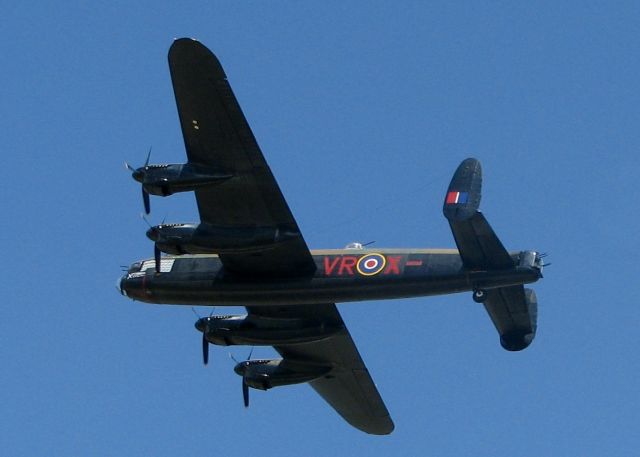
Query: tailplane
(514, 309)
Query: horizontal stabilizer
(514, 312)
(463, 196)
(479, 246)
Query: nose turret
(132, 285)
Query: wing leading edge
(348, 387)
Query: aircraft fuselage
(340, 276)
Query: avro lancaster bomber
(248, 250)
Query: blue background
(363, 110)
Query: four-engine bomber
(248, 250)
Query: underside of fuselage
(340, 276)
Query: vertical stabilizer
(463, 196)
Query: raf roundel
(371, 264)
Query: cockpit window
(354, 246)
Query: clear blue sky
(363, 111)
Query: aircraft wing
(348, 388)
(216, 134)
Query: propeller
(205, 349)
(138, 175)
(156, 256)
(156, 250)
(245, 386)
(205, 342)
(146, 200)
(245, 393)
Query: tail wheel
(479, 296)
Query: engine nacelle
(167, 179)
(172, 238)
(209, 239)
(268, 373)
(257, 331)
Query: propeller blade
(146, 162)
(156, 255)
(145, 199)
(245, 393)
(205, 349)
(129, 167)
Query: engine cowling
(167, 179)
(256, 331)
(172, 238)
(209, 239)
(268, 373)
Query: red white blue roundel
(371, 264)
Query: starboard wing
(348, 387)
(216, 134)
